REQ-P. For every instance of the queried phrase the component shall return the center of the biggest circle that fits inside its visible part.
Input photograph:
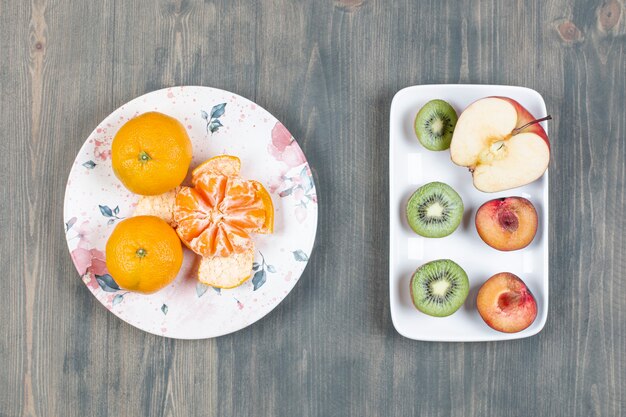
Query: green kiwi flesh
(439, 288)
(434, 125)
(434, 210)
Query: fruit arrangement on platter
(215, 216)
(504, 147)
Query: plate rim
(238, 97)
(496, 337)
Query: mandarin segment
(264, 195)
(220, 239)
(242, 206)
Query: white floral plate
(217, 122)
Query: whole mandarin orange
(151, 153)
(143, 254)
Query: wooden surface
(328, 70)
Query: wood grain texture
(328, 70)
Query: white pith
(435, 210)
(440, 287)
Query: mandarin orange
(216, 216)
(143, 254)
(151, 153)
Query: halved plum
(506, 304)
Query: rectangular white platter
(411, 166)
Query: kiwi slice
(439, 288)
(434, 210)
(434, 125)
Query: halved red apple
(501, 143)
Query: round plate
(218, 122)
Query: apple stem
(517, 130)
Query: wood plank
(14, 139)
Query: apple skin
(507, 224)
(496, 139)
(506, 304)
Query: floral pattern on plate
(95, 201)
